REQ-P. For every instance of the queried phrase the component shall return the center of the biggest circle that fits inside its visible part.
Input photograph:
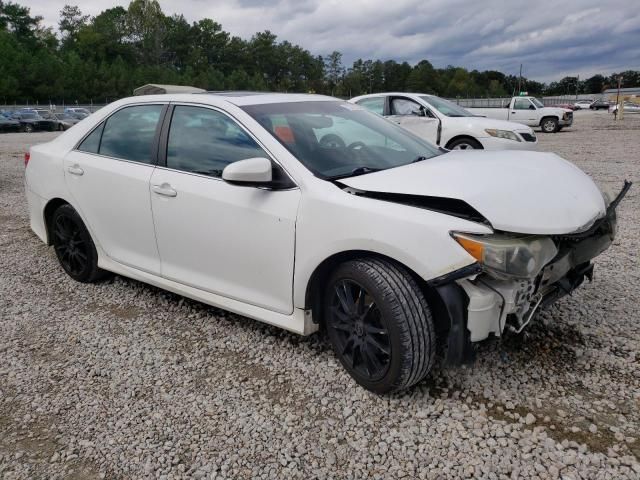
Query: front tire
(549, 125)
(73, 245)
(28, 128)
(464, 144)
(379, 324)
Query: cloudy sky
(551, 38)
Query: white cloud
(551, 38)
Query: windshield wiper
(419, 158)
(355, 172)
(362, 170)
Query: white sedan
(305, 211)
(446, 124)
(583, 104)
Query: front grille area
(529, 137)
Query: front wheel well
(463, 137)
(557, 119)
(318, 279)
(51, 207)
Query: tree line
(105, 57)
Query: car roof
(238, 98)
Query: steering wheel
(331, 140)
(356, 146)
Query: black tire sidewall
(90, 272)
(350, 271)
(469, 141)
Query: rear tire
(464, 144)
(379, 324)
(73, 245)
(549, 125)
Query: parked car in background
(79, 111)
(9, 125)
(628, 107)
(397, 245)
(446, 124)
(530, 111)
(6, 113)
(583, 104)
(600, 104)
(568, 106)
(31, 121)
(67, 120)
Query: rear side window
(204, 141)
(375, 105)
(129, 133)
(91, 143)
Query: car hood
(484, 122)
(554, 111)
(523, 192)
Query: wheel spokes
(360, 337)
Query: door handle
(165, 190)
(75, 170)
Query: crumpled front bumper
(479, 305)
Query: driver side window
(521, 104)
(404, 106)
(204, 141)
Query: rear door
(414, 117)
(234, 241)
(108, 175)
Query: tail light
(27, 157)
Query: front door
(523, 111)
(108, 176)
(412, 116)
(234, 241)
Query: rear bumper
(36, 206)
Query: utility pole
(577, 85)
(618, 107)
(520, 79)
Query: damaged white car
(307, 212)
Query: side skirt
(298, 322)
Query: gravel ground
(123, 380)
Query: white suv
(305, 211)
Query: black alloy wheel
(379, 324)
(362, 338)
(73, 245)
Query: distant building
(157, 89)
(627, 93)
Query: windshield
(339, 139)
(537, 102)
(446, 107)
(28, 115)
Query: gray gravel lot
(123, 380)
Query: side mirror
(419, 112)
(252, 171)
(532, 107)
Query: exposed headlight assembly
(521, 257)
(509, 135)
